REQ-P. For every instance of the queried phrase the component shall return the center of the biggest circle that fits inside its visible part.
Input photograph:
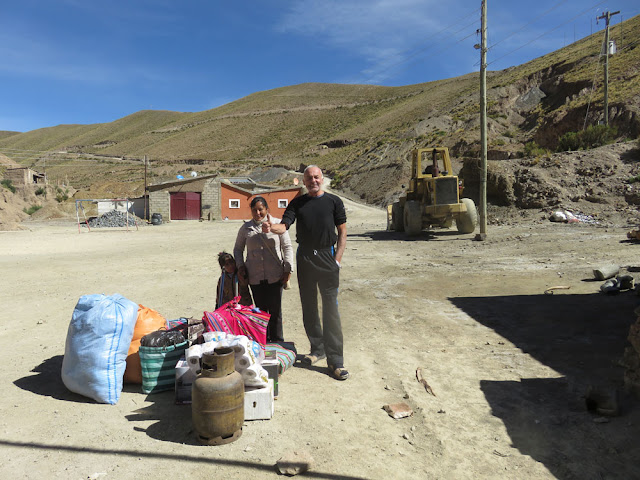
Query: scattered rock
(114, 218)
(606, 271)
(398, 410)
(295, 462)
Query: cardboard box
(272, 366)
(258, 402)
(184, 381)
(270, 354)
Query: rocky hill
(360, 134)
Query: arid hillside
(360, 134)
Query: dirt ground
(509, 365)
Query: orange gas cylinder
(217, 399)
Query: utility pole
(146, 197)
(607, 16)
(483, 124)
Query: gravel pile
(114, 218)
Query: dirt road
(508, 364)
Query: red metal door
(192, 206)
(185, 206)
(178, 206)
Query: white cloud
(384, 34)
(368, 28)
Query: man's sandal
(312, 359)
(339, 373)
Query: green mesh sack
(159, 366)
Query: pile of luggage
(217, 361)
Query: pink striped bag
(238, 319)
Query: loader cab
(432, 180)
(433, 162)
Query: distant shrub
(568, 142)
(8, 184)
(337, 180)
(634, 179)
(532, 149)
(591, 137)
(598, 135)
(41, 191)
(32, 209)
(61, 197)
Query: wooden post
(607, 16)
(145, 194)
(483, 124)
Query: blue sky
(89, 61)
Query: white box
(258, 402)
(272, 366)
(184, 381)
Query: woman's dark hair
(258, 199)
(223, 257)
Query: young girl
(230, 284)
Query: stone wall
(160, 202)
(210, 200)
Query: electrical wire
(546, 33)
(380, 70)
(593, 87)
(528, 23)
(439, 52)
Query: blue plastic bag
(97, 344)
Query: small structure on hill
(24, 176)
(210, 197)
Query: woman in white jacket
(268, 264)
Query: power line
(528, 23)
(435, 53)
(593, 86)
(384, 68)
(547, 32)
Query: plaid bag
(285, 356)
(238, 319)
(159, 366)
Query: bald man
(321, 233)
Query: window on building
(283, 203)
(234, 203)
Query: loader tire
(412, 218)
(397, 222)
(468, 221)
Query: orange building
(211, 198)
(235, 200)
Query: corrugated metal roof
(240, 180)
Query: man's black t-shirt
(317, 219)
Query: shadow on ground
(173, 422)
(250, 467)
(421, 237)
(47, 382)
(582, 337)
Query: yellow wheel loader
(433, 197)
